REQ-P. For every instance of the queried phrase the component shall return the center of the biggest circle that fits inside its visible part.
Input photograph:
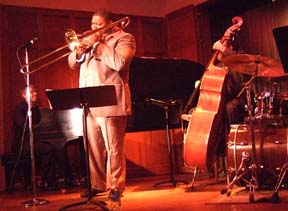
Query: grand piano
(160, 79)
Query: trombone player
(104, 58)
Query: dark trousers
(45, 163)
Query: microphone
(29, 43)
(161, 103)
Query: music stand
(281, 38)
(84, 98)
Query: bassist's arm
(224, 49)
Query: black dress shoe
(94, 192)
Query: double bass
(203, 133)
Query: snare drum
(270, 151)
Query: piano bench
(8, 161)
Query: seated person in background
(234, 106)
(43, 151)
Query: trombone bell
(72, 39)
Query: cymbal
(279, 79)
(254, 65)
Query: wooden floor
(141, 195)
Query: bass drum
(270, 152)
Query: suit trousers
(106, 153)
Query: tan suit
(108, 64)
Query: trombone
(73, 40)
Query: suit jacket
(109, 64)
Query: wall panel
(2, 115)
(154, 37)
(182, 42)
(23, 24)
(53, 29)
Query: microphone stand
(34, 201)
(166, 105)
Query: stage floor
(141, 195)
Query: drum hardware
(247, 166)
(275, 195)
(263, 102)
(254, 65)
(268, 105)
(246, 88)
(253, 183)
(243, 169)
(271, 145)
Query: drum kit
(257, 149)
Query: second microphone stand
(166, 105)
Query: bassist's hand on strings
(224, 49)
(219, 46)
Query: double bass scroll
(202, 137)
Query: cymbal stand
(240, 173)
(35, 201)
(244, 169)
(275, 195)
(166, 105)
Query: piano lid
(161, 79)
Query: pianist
(43, 151)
